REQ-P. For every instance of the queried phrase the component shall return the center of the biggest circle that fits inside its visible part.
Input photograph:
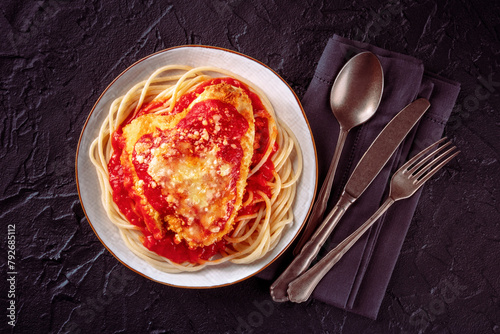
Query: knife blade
(384, 146)
(369, 166)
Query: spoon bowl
(357, 90)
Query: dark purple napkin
(359, 281)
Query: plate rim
(310, 133)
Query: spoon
(354, 98)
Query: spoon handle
(303, 286)
(323, 196)
(311, 249)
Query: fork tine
(436, 168)
(422, 153)
(417, 166)
(426, 163)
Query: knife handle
(310, 250)
(303, 286)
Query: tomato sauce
(164, 243)
(179, 252)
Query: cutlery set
(354, 98)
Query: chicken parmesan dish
(196, 170)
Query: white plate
(288, 109)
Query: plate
(287, 108)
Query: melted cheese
(198, 180)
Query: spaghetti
(177, 204)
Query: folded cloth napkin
(359, 281)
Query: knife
(368, 167)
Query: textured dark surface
(57, 57)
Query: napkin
(358, 282)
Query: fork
(404, 183)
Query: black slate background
(57, 56)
